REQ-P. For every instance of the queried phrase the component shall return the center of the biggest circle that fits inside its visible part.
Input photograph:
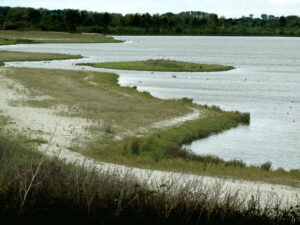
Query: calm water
(266, 83)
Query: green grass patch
(9, 37)
(8, 56)
(161, 65)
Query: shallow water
(266, 83)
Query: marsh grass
(7, 56)
(116, 110)
(68, 194)
(161, 65)
(162, 149)
(8, 37)
(15, 41)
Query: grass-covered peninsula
(163, 65)
(9, 56)
(10, 37)
(137, 129)
(119, 115)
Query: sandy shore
(62, 132)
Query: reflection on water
(266, 83)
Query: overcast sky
(228, 8)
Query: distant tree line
(185, 23)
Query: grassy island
(161, 65)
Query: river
(266, 83)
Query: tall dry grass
(36, 190)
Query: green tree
(72, 19)
(264, 17)
(106, 19)
(34, 16)
(282, 21)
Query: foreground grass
(161, 65)
(9, 37)
(8, 56)
(118, 113)
(38, 190)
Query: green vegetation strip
(35, 37)
(161, 65)
(162, 149)
(8, 56)
(183, 23)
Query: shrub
(175, 151)
(147, 93)
(187, 100)
(266, 166)
(236, 163)
(245, 118)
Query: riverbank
(10, 56)
(12, 37)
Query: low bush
(266, 166)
